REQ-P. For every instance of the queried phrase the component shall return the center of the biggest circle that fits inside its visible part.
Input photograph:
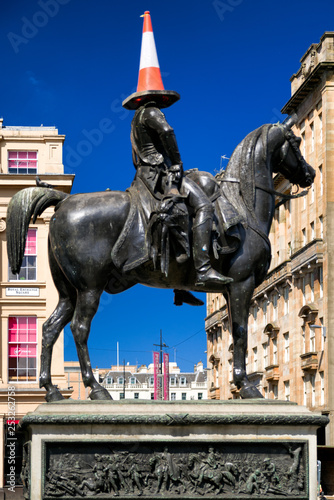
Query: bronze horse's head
(292, 165)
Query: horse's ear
(290, 121)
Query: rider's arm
(156, 120)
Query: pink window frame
(22, 345)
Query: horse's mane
(242, 167)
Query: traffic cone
(150, 86)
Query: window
(265, 390)
(286, 348)
(133, 380)
(184, 396)
(303, 339)
(22, 348)
(152, 395)
(172, 381)
(322, 388)
(200, 395)
(275, 391)
(312, 137)
(304, 235)
(312, 381)
(312, 339)
(303, 291)
(255, 358)
(121, 395)
(312, 286)
(303, 144)
(322, 334)
(120, 380)
(321, 222)
(286, 291)
(109, 380)
(265, 311)
(312, 231)
(28, 268)
(151, 381)
(321, 181)
(275, 307)
(136, 395)
(265, 354)
(275, 352)
(183, 380)
(320, 128)
(305, 391)
(230, 370)
(173, 396)
(22, 162)
(321, 283)
(287, 390)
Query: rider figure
(155, 155)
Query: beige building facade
(29, 298)
(291, 320)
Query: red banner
(166, 376)
(156, 366)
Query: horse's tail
(30, 202)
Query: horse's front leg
(239, 302)
(86, 307)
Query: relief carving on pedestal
(176, 470)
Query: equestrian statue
(184, 230)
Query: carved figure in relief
(254, 482)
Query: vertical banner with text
(156, 365)
(166, 376)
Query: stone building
(291, 320)
(29, 298)
(139, 383)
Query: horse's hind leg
(54, 325)
(85, 309)
(239, 302)
(51, 330)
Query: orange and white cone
(150, 86)
(149, 69)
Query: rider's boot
(201, 243)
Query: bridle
(291, 139)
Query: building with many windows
(291, 320)
(27, 299)
(132, 383)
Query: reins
(269, 191)
(272, 191)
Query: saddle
(158, 227)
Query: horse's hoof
(249, 391)
(100, 394)
(53, 395)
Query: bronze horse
(85, 228)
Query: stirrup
(211, 276)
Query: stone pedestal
(233, 449)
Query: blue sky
(70, 63)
